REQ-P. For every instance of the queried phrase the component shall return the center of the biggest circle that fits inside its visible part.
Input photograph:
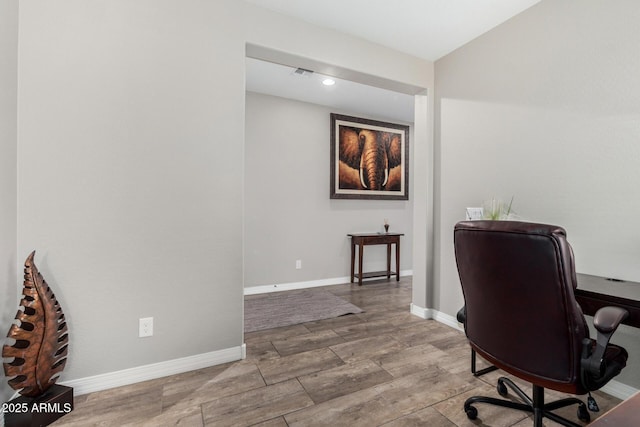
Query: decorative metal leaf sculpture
(39, 352)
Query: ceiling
(428, 29)
(344, 96)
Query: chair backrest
(521, 314)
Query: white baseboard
(423, 313)
(155, 370)
(279, 287)
(430, 313)
(613, 388)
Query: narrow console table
(364, 239)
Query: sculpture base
(39, 411)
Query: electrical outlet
(145, 327)
(298, 264)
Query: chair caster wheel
(583, 414)
(502, 389)
(472, 412)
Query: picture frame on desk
(369, 159)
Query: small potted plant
(495, 209)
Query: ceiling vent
(303, 72)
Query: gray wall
(130, 177)
(288, 212)
(546, 108)
(131, 163)
(8, 143)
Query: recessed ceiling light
(328, 82)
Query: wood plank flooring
(383, 367)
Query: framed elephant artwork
(369, 159)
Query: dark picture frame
(369, 159)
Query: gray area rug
(275, 310)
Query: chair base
(536, 406)
(474, 371)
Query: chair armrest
(607, 319)
(606, 322)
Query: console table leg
(398, 260)
(360, 250)
(388, 261)
(353, 258)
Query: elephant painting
(368, 160)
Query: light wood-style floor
(382, 367)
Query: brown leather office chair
(521, 315)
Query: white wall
(288, 212)
(130, 174)
(546, 107)
(131, 164)
(8, 138)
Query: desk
(623, 415)
(364, 239)
(595, 292)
